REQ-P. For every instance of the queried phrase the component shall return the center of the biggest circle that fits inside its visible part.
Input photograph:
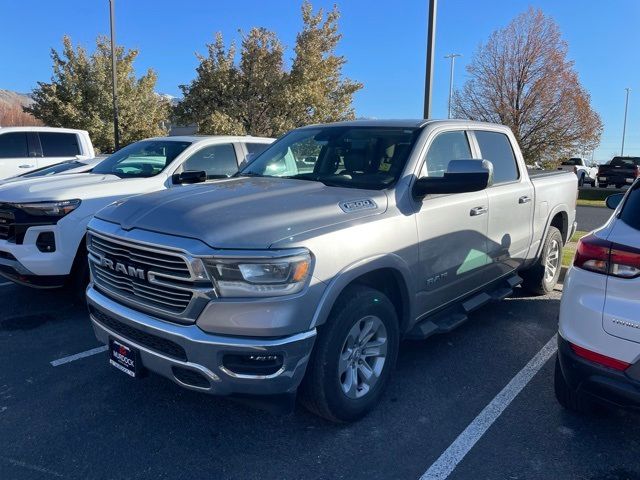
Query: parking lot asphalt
(590, 218)
(84, 419)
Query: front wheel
(353, 357)
(541, 278)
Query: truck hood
(66, 187)
(244, 212)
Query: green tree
(522, 78)
(257, 95)
(79, 95)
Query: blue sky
(384, 43)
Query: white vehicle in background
(63, 168)
(43, 220)
(599, 334)
(585, 173)
(23, 149)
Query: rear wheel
(567, 396)
(581, 180)
(542, 277)
(603, 185)
(353, 357)
(619, 186)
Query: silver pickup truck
(304, 272)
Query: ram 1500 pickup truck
(305, 270)
(43, 220)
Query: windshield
(141, 159)
(357, 157)
(628, 162)
(573, 161)
(53, 169)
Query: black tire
(534, 280)
(618, 186)
(79, 277)
(603, 185)
(321, 391)
(581, 180)
(567, 396)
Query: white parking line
(78, 356)
(6, 284)
(453, 455)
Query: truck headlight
(260, 277)
(49, 209)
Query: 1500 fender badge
(355, 205)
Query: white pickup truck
(585, 173)
(43, 220)
(23, 149)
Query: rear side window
(496, 148)
(626, 162)
(256, 148)
(215, 160)
(14, 145)
(59, 144)
(445, 147)
(630, 213)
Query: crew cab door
(16, 156)
(452, 230)
(56, 147)
(511, 200)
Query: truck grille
(148, 277)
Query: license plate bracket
(124, 357)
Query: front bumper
(12, 269)
(193, 358)
(604, 384)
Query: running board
(452, 317)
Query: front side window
(216, 160)
(56, 144)
(141, 159)
(445, 147)
(14, 145)
(496, 148)
(356, 157)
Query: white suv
(599, 337)
(43, 220)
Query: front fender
(357, 269)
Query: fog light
(46, 242)
(258, 364)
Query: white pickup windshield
(142, 159)
(358, 157)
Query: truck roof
(40, 129)
(407, 123)
(202, 138)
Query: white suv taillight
(608, 258)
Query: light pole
(116, 133)
(431, 45)
(624, 125)
(452, 56)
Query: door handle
(524, 199)
(477, 211)
(26, 166)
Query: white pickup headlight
(260, 276)
(49, 209)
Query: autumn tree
(79, 95)
(522, 78)
(257, 95)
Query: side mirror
(614, 200)
(461, 176)
(189, 177)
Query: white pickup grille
(155, 279)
